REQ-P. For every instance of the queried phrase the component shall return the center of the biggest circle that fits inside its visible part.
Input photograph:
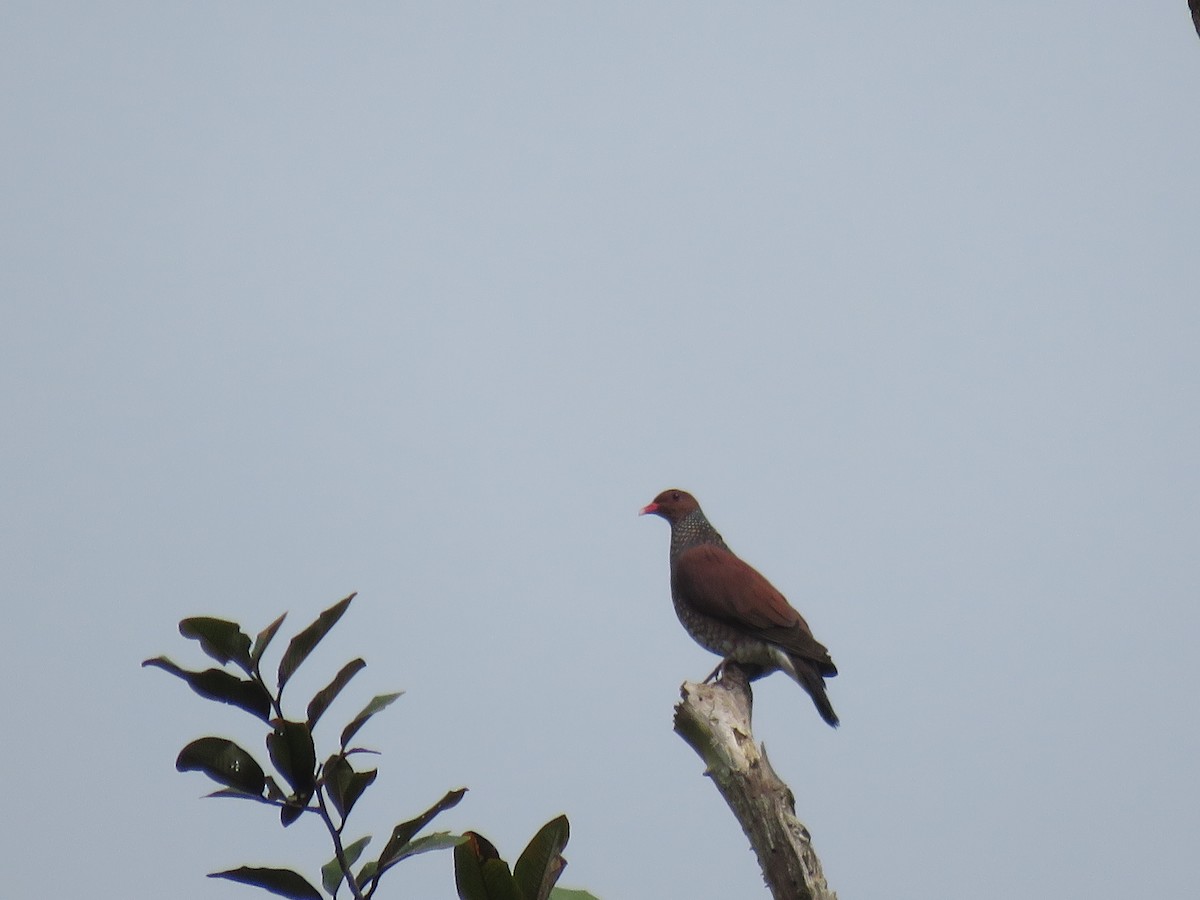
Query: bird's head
(672, 504)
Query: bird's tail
(804, 672)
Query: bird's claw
(716, 674)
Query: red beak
(649, 508)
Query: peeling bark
(714, 720)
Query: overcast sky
(426, 300)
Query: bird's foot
(717, 673)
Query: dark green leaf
(468, 866)
(331, 872)
(359, 782)
(571, 894)
(283, 882)
(292, 752)
(219, 638)
(235, 794)
(264, 638)
(480, 873)
(438, 840)
(224, 762)
(393, 851)
(336, 775)
(343, 784)
(377, 704)
(500, 883)
(225, 687)
(541, 863)
(320, 703)
(303, 643)
(480, 847)
(292, 810)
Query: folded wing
(719, 584)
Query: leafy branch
(330, 790)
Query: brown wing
(718, 584)
(1194, 5)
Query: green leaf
(500, 883)
(343, 784)
(571, 894)
(468, 867)
(219, 638)
(224, 762)
(359, 782)
(402, 834)
(480, 873)
(283, 882)
(336, 775)
(378, 703)
(292, 752)
(222, 686)
(264, 638)
(320, 703)
(292, 810)
(439, 840)
(235, 794)
(303, 643)
(541, 863)
(331, 872)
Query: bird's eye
(675, 495)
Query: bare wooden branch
(714, 719)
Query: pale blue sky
(425, 301)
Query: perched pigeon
(729, 608)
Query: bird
(730, 609)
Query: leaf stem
(338, 851)
(257, 798)
(276, 697)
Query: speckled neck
(691, 531)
